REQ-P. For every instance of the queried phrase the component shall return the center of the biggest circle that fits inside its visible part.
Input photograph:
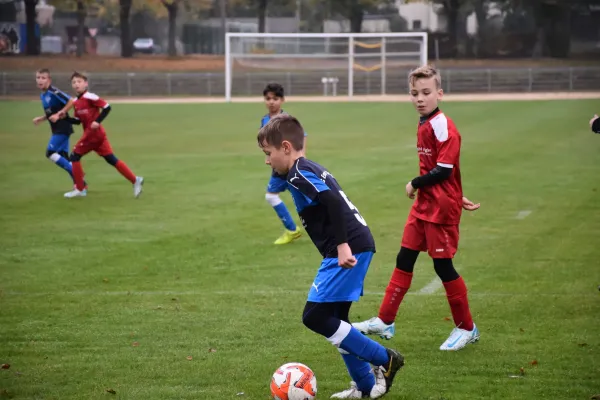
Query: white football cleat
(380, 387)
(459, 338)
(137, 186)
(352, 393)
(375, 326)
(76, 193)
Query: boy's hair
(43, 71)
(425, 72)
(274, 88)
(282, 127)
(78, 75)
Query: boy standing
(87, 112)
(342, 237)
(432, 224)
(274, 98)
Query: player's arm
(40, 119)
(72, 120)
(100, 103)
(66, 100)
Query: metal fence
(474, 80)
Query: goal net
(330, 64)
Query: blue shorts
(334, 283)
(277, 183)
(58, 142)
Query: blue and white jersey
(306, 179)
(53, 100)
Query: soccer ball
(293, 381)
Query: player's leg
(104, 149)
(56, 150)
(326, 313)
(413, 241)
(442, 245)
(79, 189)
(278, 184)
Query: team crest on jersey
(47, 98)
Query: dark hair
(43, 71)
(79, 75)
(282, 127)
(274, 88)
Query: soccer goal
(329, 64)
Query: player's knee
(406, 259)
(64, 154)
(49, 153)
(312, 317)
(52, 156)
(111, 159)
(75, 157)
(273, 199)
(444, 268)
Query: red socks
(78, 175)
(125, 171)
(456, 291)
(394, 293)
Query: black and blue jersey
(53, 100)
(310, 185)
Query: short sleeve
(307, 183)
(447, 141)
(95, 100)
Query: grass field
(111, 293)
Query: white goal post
(319, 61)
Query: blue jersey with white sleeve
(53, 100)
(306, 179)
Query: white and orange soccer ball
(294, 381)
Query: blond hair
(425, 72)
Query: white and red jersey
(438, 143)
(87, 110)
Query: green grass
(190, 266)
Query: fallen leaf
(189, 358)
(521, 330)
(534, 362)
(582, 344)
(522, 371)
(105, 280)
(595, 397)
(158, 308)
(240, 394)
(174, 299)
(446, 318)
(5, 366)
(135, 344)
(211, 350)
(146, 268)
(131, 334)
(111, 391)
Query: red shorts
(97, 143)
(440, 241)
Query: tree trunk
(80, 27)
(452, 8)
(33, 41)
(223, 16)
(356, 15)
(481, 16)
(262, 15)
(172, 13)
(124, 12)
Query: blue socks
(360, 372)
(361, 346)
(62, 162)
(285, 216)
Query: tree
(33, 41)
(81, 8)
(354, 10)
(124, 22)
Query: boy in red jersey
(87, 112)
(433, 221)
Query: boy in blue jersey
(274, 98)
(344, 240)
(54, 101)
